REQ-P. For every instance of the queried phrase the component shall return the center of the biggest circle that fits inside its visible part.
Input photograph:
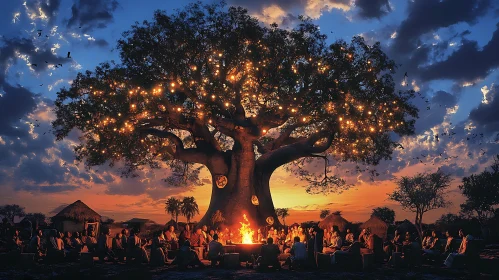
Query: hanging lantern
(270, 220)
(221, 181)
(254, 200)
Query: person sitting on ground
(187, 257)
(76, 241)
(335, 243)
(427, 240)
(104, 246)
(204, 231)
(449, 261)
(135, 251)
(118, 249)
(91, 242)
(124, 238)
(171, 238)
(197, 239)
(433, 248)
(298, 253)
(185, 234)
(158, 257)
(55, 247)
(210, 236)
(349, 238)
(16, 242)
(394, 245)
(362, 238)
(35, 245)
(269, 255)
(215, 251)
(259, 236)
(449, 244)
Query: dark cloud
(48, 7)
(468, 63)
(101, 43)
(257, 5)
(437, 105)
(92, 14)
(428, 16)
(486, 115)
(14, 105)
(373, 8)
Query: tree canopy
(481, 192)
(384, 213)
(195, 85)
(10, 211)
(421, 193)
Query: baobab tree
(210, 86)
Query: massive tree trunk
(245, 180)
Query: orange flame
(246, 232)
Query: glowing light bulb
(179, 109)
(226, 104)
(304, 119)
(172, 84)
(264, 131)
(232, 77)
(341, 119)
(213, 96)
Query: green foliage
(34, 218)
(385, 214)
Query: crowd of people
(186, 247)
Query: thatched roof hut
(333, 220)
(377, 226)
(406, 226)
(77, 217)
(78, 212)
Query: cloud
(46, 10)
(92, 14)
(427, 16)
(15, 104)
(373, 8)
(486, 115)
(283, 12)
(468, 63)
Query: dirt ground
(73, 271)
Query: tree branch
(194, 155)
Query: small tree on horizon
(421, 193)
(36, 218)
(385, 214)
(282, 213)
(173, 207)
(324, 213)
(10, 211)
(482, 193)
(189, 208)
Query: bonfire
(246, 232)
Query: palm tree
(282, 213)
(325, 213)
(189, 208)
(173, 207)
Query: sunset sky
(449, 48)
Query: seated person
(298, 253)
(35, 244)
(197, 241)
(171, 238)
(427, 240)
(55, 247)
(449, 243)
(91, 242)
(394, 245)
(187, 257)
(118, 249)
(76, 241)
(349, 238)
(335, 243)
(16, 242)
(158, 257)
(104, 246)
(462, 248)
(433, 248)
(353, 250)
(135, 250)
(215, 250)
(269, 255)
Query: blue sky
(449, 49)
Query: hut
(334, 220)
(77, 217)
(377, 226)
